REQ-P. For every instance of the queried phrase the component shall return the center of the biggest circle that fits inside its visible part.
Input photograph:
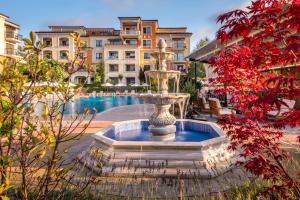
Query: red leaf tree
(258, 68)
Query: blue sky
(198, 15)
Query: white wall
(2, 35)
(122, 62)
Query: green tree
(120, 77)
(202, 42)
(142, 75)
(100, 72)
(33, 142)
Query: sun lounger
(217, 109)
(203, 105)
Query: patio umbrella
(120, 85)
(53, 84)
(70, 85)
(107, 84)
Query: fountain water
(162, 122)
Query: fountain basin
(162, 99)
(163, 74)
(198, 147)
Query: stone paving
(164, 186)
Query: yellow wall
(1, 59)
(143, 62)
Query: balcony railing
(113, 57)
(64, 44)
(179, 46)
(130, 32)
(11, 51)
(12, 35)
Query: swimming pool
(100, 103)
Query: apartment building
(124, 52)
(9, 38)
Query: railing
(113, 57)
(12, 51)
(130, 57)
(130, 32)
(179, 46)
(179, 60)
(64, 45)
(115, 44)
(12, 35)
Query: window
(147, 30)
(181, 68)
(147, 67)
(113, 68)
(98, 43)
(130, 80)
(179, 57)
(47, 42)
(130, 54)
(131, 42)
(115, 41)
(130, 68)
(113, 55)
(85, 44)
(47, 54)
(81, 55)
(178, 43)
(98, 56)
(64, 42)
(63, 55)
(147, 43)
(147, 55)
(130, 30)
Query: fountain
(162, 121)
(162, 145)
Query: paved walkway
(122, 113)
(103, 120)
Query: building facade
(124, 52)
(9, 38)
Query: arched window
(64, 42)
(47, 54)
(47, 42)
(63, 55)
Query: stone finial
(162, 45)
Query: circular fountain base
(162, 130)
(128, 148)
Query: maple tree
(261, 41)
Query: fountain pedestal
(162, 122)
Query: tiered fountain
(162, 145)
(162, 122)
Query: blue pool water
(186, 132)
(100, 103)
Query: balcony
(113, 58)
(13, 36)
(12, 52)
(179, 46)
(130, 33)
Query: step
(156, 163)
